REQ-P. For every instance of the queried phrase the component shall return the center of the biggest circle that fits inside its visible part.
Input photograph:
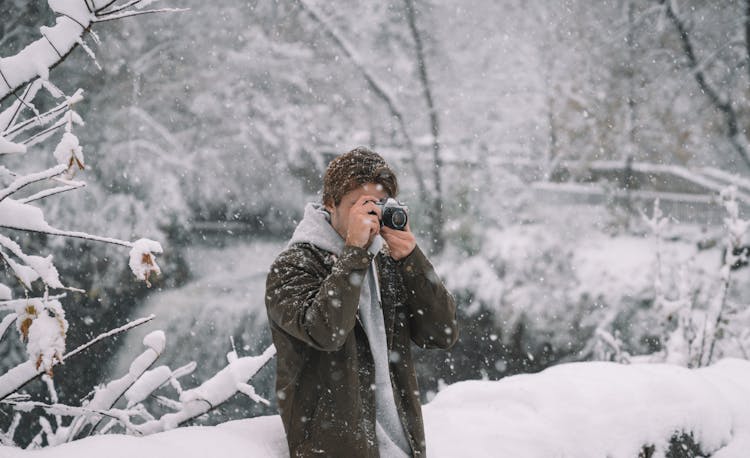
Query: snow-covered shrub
(518, 310)
(701, 320)
(559, 286)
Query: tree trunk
(377, 87)
(437, 200)
(736, 137)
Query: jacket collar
(315, 228)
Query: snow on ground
(576, 410)
(594, 410)
(254, 437)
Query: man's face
(340, 213)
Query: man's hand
(363, 226)
(400, 243)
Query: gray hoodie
(315, 228)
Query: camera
(394, 213)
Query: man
(344, 301)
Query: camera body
(394, 213)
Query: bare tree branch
(737, 138)
(377, 87)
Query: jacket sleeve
(432, 308)
(319, 311)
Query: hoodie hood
(315, 228)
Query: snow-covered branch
(214, 391)
(50, 192)
(33, 63)
(31, 178)
(74, 19)
(115, 16)
(40, 318)
(6, 322)
(137, 385)
(25, 217)
(36, 59)
(109, 333)
(23, 373)
(105, 397)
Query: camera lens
(399, 219)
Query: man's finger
(363, 199)
(401, 235)
(366, 205)
(374, 208)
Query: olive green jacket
(325, 373)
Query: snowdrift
(592, 409)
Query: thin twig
(138, 13)
(109, 333)
(13, 302)
(20, 183)
(99, 10)
(18, 107)
(122, 7)
(49, 192)
(20, 127)
(32, 140)
(73, 234)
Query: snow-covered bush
(700, 320)
(33, 110)
(557, 285)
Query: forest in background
(228, 114)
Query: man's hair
(353, 169)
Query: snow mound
(593, 410)
(579, 410)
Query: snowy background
(532, 141)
